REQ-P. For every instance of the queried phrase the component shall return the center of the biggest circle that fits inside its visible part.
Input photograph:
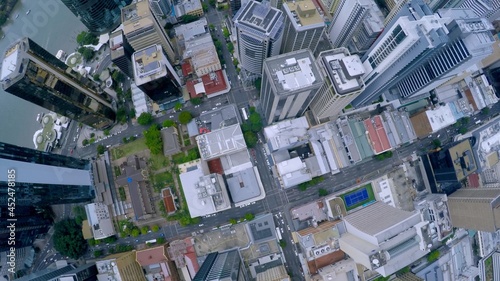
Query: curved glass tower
(99, 16)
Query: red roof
(473, 180)
(186, 68)
(151, 256)
(192, 262)
(215, 166)
(190, 87)
(377, 135)
(217, 84)
(168, 200)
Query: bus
(278, 233)
(244, 113)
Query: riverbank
(6, 8)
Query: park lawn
(371, 196)
(158, 161)
(129, 148)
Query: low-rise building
(286, 134)
(120, 267)
(170, 140)
(204, 58)
(99, 220)
(156, 265)
(434, 209)
(184, 256)
(188, 7)
(221, 142)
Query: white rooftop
(440, 118)
(220, 142)
(286, 133)
(9, 61)
(344, 71)
(296, 74)
(99, 220)
(293, 172)
(150, 64)
(190, 30)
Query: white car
(218, 104)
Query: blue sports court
(356, 197)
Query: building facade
(121, 52)
(156, 77)
(142, 29)
(161, 8)
(343, 82)
(259, 29)
(35, 75)
(289, 83)
(222, 266)
(99, 16)
(356, 25)
(304, 26)
(417, 54)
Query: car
(136, 240)
(162, 235)
(288, 227)
(201, 225)
(171, 116)
(204, 111)
(218, 104)
(108, 146)
(214, 108)
(196, 106)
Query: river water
(51, 25)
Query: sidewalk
(86, 132)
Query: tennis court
(356, 197)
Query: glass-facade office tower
(121, 52)
(40, 179)
(259, 28)
(35, 75)
(99, 16)
(222, 266)
(420, 51)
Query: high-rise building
(43, 178)
(259, 28)
(487, 9)
(475, 208)
(161, 8)
(289, 83)
(343, 82)
(99, 16)
(222, 266)
(86, 272)
(304, 26)
(355, 25)
(121, 52)
(156, 77)
(416, 54)
(235, 6)
(143, 29)
(33, 74)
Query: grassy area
(371, 196)
(118, 172)
(187, 142)
(488, 268)
(121, 192)
(158, 161)
(162, 180)
(128, 149)
(180, 158)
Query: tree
(135, 232)
(87, 53)
(145, 119)
(462, 130)
(121, 115)
(160, 240)
(168, 123)
(155, 228)
(436, 143)
(178, 106)
(225, 32)
(204, 7)
(68, 239)
(258, 83)
(106, 132)
(196, 101)
(96, 77)
(236, 62)
(153, 139)
(185, 117)
(282, 243)
(144, 229)
(85, 142)
(168, 26)
(211, 26)
(100, 149)
(110, 239)
(433, 256)
(485, 111)
(233, 221)
(118, 76)
(86, 38)
(250, 139)
(92, 135)
(80, 214)
(230, 47)
(322, 192)
(188, 18)
(97, 253)
(212, 2)
(249, 216)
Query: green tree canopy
(80, 214)
(144, 229)
(485, 111)
(135, 232)
(230, 48)
(188, 18)
(153, 139)
(282, 243)
(160, 240)
(86, 38)
(85, 142)
(250, 139)
(462, 130)
(322, 192)
(118, 76)
(155, 228)
(168, 123)
(249, 216)
(185, 117)
(196, 101)
(68, 239)
(436, 143)
(100, 149)
(433, 256)
(225, 32)
(145, 118)
(258, 83)
(121, 115)
(233, 221)
(87, 53)
(178, 106)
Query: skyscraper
(161, 8)
(259, 28)
(99, 16)
(304, 26)
(33, 74)
(143, 29)
(222, 266)
(475, 208)
(43, 178)
(121, 52)
(156, 77)
(418, 53)
(289, 83)
(343, 82)
(355, 25)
